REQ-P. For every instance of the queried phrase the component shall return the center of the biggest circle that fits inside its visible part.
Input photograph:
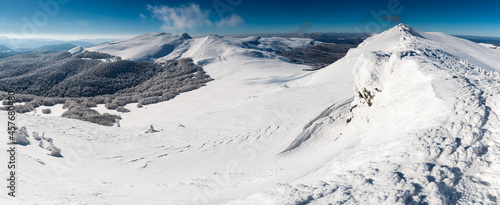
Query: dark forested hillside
(92, 74)
(317, 56)
(90, 78)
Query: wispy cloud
(188, 16)
(233, 20)
(304, 27)
(180, 18)
(142, 16)
(391, 18)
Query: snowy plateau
(407, 117)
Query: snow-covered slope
(407, 117)
(163, 46)
(145, 47)
(487, 45)
(76, 50)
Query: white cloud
(142, 16)
(233, 20)
(182, 17)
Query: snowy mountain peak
(146, 47)
(424, 104)
(186, 36)
(76, 50)
(161, 35)
(407, 30)
(215, 36)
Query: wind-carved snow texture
(319, 124)
(452, 160)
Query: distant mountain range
(4, 49)
(26, 45)
(482, 39)
(57, 47)
(158, 47)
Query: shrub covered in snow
(77, 111)
(151, 129)
(122, 109)
(36, 136)
(88, 103)
(21, 136)
(48, 102)
(111, 106)
(54, 151)
(46, 111)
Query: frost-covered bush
(46, 111)
(122, 109)
(36, 103)
(151, 129)
(149, 100)
(99, 100)
(151, 94)
(119, 101)
(168, 95)
(48, 102)
(111, 106)
(70, 104)
(93, 55)
(54, 151)
(23, 130)
(88, 103)
(21, 136)
(24, 108)
(36, 136)
(77, 111)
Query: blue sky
(78, 19)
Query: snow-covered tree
(46, 111)
(36, 136)
(54, 151)
(21, 136)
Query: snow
(144, 47)
(76, 50)
(163, 46)
(423, 128)
(487, 45)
